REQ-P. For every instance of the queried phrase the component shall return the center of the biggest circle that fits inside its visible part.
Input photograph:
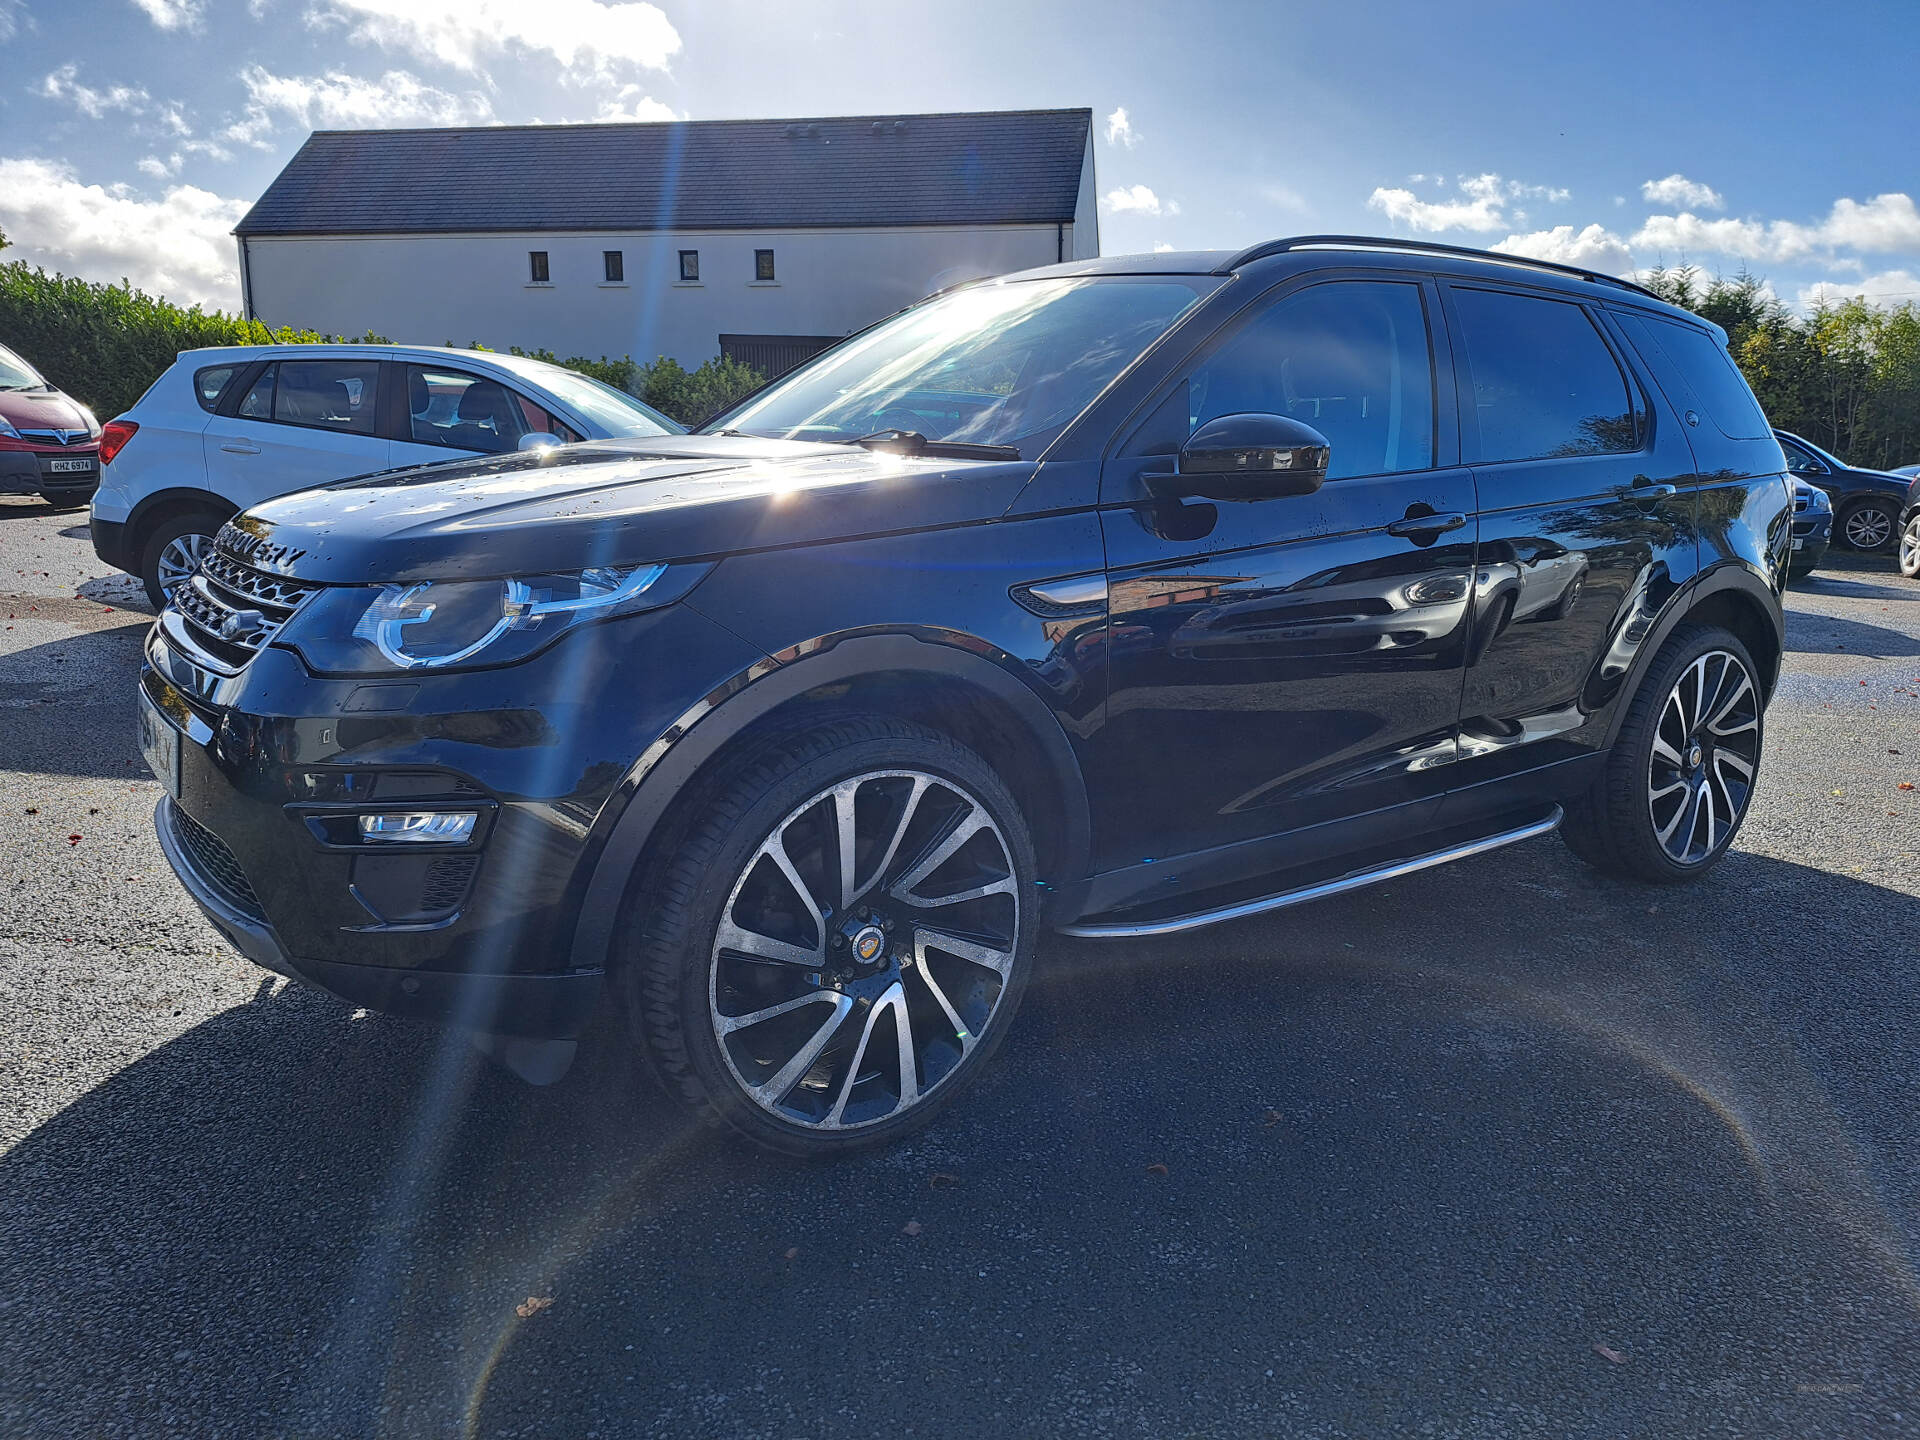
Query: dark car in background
(1812, 528)
(1122, 597)
(49, 442)
(1866, 503)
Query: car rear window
(1702, 361)
(211, 383)
(1545, 384)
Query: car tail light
(113, 435)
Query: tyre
(1869, 525)
(173, 550)
(1681, 772)
(1910, 549)
(839, 938)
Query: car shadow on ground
(1424, 1149)
(87, 679)
(1809, 633)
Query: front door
(1283, 662)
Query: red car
(49, 442)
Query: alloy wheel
(1910, 548)
(1706, 749)
(864, 950)
(1868, 527)
(180, 557)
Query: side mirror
(1249, 456)
(538, 440)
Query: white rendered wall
(435, 289)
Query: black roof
(947, 169)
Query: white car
(226, 428)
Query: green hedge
(105, 344)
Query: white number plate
(69, 467)
(1799, 544)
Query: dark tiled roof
(1015, 165)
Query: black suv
(1119, 597)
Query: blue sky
(135, 132)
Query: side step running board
(1373, 876)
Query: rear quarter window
(211, 383)
(1719, 389)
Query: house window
(763, 265)
(537, 260)
(689, 264)
(616, 264)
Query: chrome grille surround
(222, 617)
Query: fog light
(431, 827)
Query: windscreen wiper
(912, 442)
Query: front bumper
(26, 472)
(1812, 533)
(529, 1006)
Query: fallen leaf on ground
(33, 809)
(1158, 1169)
(1904, 785)
(940, 1178)
(1612, 1357)
(535, 1304)
(912, 1227)
(791, 1255)
(73, 839)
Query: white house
(762, 239)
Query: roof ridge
(551, 125)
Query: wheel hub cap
(869, 943)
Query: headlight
(1820, 501)
(451, 624)
(6, 429)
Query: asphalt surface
(1505, 1149)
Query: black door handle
(1646, 490)
(1426, 525)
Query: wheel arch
(960, 692)
(1732, 594)
(162, 505)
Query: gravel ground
(1504, 1149)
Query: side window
(1801, 461)
(210, 384)
(538, 418)
(257, 404)
(1350, 358)
(1545, 384)
(1718, 386)
(327, 394)
(466, 412)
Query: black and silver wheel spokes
(1868, 527)
(1705, 751)
(864, 948)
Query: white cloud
(174, 14)
(1594, 248)
(63, 84)
(1676, 189)
(1886, 224)
(633, 104)
(589, 38)
(178, 246)
(1481, 204)
(1120, 130)
(161, 169)
(1161, 247)
(338, 101)
(1285, 197)
(1889, 287)
(1138, 200)
(11, 12)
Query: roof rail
(1417, 247)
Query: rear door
(300, 423)
(1283, 662)
(1586, 516)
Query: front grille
(446, 883)
(215, 862)
(1800, 502)
(230, 610)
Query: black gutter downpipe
(246, 281)
(1059, 243)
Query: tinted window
(1544, 381)
(209, 384)
(468, 412)
(1718, 387)
(327, 394)
(1350, 359)
(1800, 459)
(258, 402)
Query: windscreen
(1009, 363)
(16, 374)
